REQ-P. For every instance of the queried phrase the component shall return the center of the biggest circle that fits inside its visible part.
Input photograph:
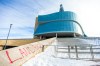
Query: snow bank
(47, 59)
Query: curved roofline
(57, 12)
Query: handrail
(77, 51)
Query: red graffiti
(9, 58)
(28, 49)
(24, 52)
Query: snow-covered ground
(47, 58)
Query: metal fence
(77, 52)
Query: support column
(40, 37)
(74, 35)
(56, 35)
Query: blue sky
(22, 14)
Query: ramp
(70, 47)
(18, 55)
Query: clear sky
(22, 14)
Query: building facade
(62, 23)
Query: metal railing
(77, 51)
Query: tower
(61, 8)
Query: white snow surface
(47, 58)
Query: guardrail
(90, 51)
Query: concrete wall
(19, 55)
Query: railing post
(76, 52)
(42, 48)
(69, 51)
(91, 51)
(55, 49)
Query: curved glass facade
(57, 16)
(56, 23)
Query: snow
(47, 58)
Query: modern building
(60, 24)
(70, 36)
